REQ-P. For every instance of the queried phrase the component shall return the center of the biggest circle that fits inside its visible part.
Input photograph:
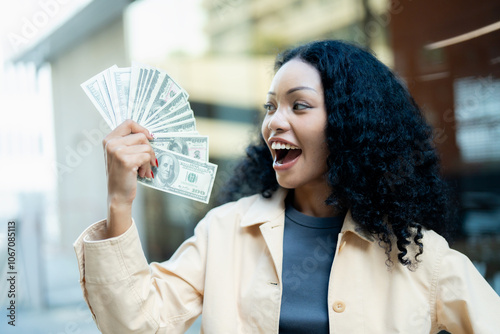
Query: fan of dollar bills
(153, 99)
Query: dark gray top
(309, 245)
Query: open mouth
(285, 153)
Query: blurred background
(221, 51)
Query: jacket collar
(269, 209)
(350, 226)
(265, 209)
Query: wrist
(119, 217)
(117, 204)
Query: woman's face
(294, 126)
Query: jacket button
(339, 306)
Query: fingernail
(152, 135)
(152, 175)
(157, 163)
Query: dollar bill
(186, 115)
(171, 97)
(165, 91)
(136, 80)
(194, 146)
(93, 88)
(120, 88)
(140, 93)
(170, 113)
(148, 95)
(185, 126)
(183, 176)
(146, 87)
(105, 86)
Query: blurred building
(262, 27)
(452, 67)
(52, 47)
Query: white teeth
(281, 146)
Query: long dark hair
(382, 162)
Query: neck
(311, 201)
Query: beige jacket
(230, 271)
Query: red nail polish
(152, 175)
(157, 163)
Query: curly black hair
(382, 164)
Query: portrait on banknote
(168, 169)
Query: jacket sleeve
(126, 295)
(465, 302)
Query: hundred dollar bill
(146, 92)
(170, 113)
(170, 97)
(120, 84)
(186, 116)
(92, 87)
(150, 89)
(105, 86)
(185, 126)
(183, 176)
(164, 92)
(136, 78)
(140, 93)
(194, 146)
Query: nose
(278, 122)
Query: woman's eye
(268, 107)
(300, 106)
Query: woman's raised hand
(128, 153)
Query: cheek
(264, 129)
(319, 150)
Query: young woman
(337, 232)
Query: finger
(145, 171)
(129, 126)
(126, 128)
(123, 152)
(136, 139)
(130, 140)
(137, 157)
(132, 164)
(137, 163)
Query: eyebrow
(291, 90)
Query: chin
(284, 183)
